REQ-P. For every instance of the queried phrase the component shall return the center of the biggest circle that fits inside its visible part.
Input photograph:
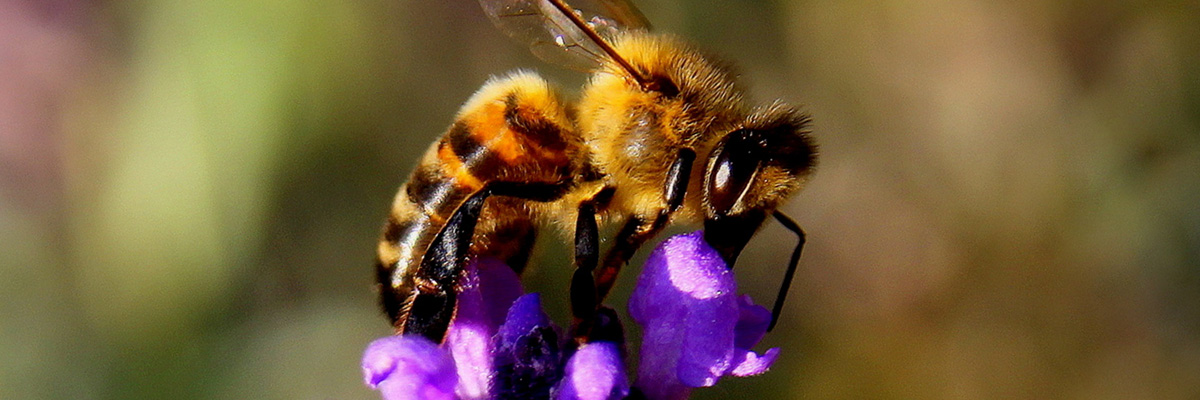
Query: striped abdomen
(512, 129)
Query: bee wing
(623, 13)
(551, 34)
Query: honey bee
(661, 134)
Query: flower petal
(528, 352)
(685, 302)
(695, 328)
(485, 292)
(751, 327)
(409, 367)
(595, 372)
(753, 364)
(524, 316)
(498, 286)
(752, 323)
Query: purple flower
(527, 353)
(695, 328)
(409, 367)
(595, 372)
(486, 292)
(501, 344)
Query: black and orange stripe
(506, 132)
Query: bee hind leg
(437, 277)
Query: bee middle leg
(583, 286)
(590, 283)
(436, 278)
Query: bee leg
(437, 277)
(630, 238)
(583, 286)
(791, 225)
(433, 304)
(677, 179)
(637, 231)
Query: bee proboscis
(660, 134)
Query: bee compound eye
(736, 161)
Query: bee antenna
(595, 37)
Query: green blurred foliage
(1006, 205)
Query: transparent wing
(551, 34)
(620, 12)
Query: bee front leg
(630, 238)
(678, 177)
(791, 271)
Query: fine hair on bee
(661, 134)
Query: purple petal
(525, 315)
(528, 353)
(751, 363)
(751, 327)
(695, 327)
(498, 286)
(752, 323)
(685, 303)
(595, 372)
(485, 292)
(409, 367)
(707, 356)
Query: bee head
(751, 171)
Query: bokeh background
(1007, 206)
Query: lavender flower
(595, 372)
(695, 328)
(501, 344)
(486, 292)
(409, 367)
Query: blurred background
(1007, 206)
